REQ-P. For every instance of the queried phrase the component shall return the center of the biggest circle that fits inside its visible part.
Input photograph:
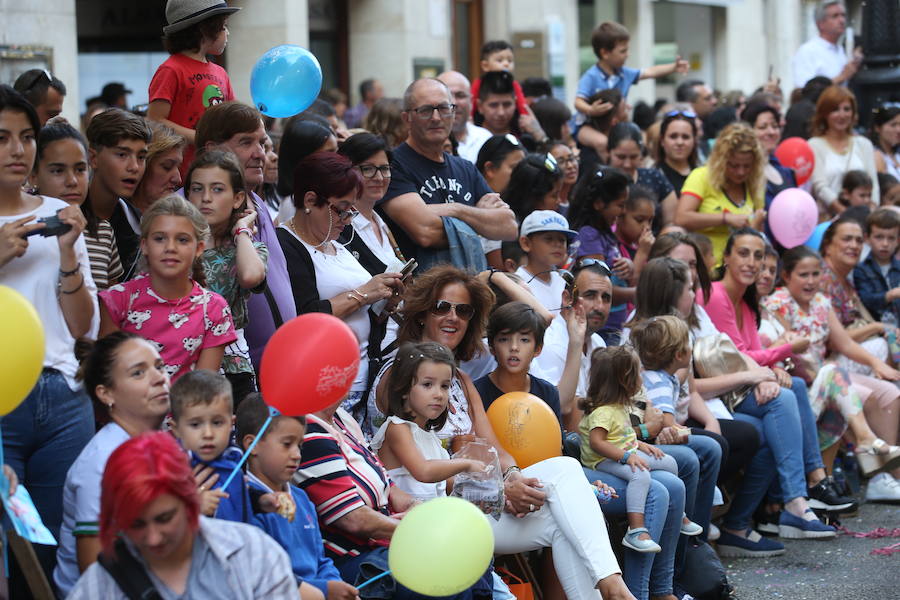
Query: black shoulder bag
(129, 574)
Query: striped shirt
(106, 268)
(664, 392)
(340, 474)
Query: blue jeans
(698, 467)
(42, 437)
(781, 446)
(646, 574)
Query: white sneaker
(883, 488)
(713, 535)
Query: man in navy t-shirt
(427, 183)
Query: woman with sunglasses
(728, 192)
(885, 136)
(549, 504)
(325, 276)
(677, 149)
(626, 151)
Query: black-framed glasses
(35, 77)
(425, 112)
(682, 113)
(343, 215)
(582, 263)
(565, 161)
(368, 171)
(463, 311)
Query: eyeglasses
(343, 215)
(682, 113)
(368, 171)
(425, 112)
(463, 311)
(33, 79)
(583, 263)
(567, 160)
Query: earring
(306, 210)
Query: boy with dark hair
(877, 278)
(545, 238)
(117, 142)
(498, 111)
(270, 468)
(610, 43)
(187, 83)
(44, 91)
(497, 56)
(515, 335)
(512, 255)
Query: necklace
(297, 233)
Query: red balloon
(309, 363)
(796, 154)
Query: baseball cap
(181, 14)
(546, 220)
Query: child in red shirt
(186, 84)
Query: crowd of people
(478, 238)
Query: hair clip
(599, 173)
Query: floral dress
(832, 395)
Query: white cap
(546, 220)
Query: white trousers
(570, 522)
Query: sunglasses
(682, 113)
(582, 263)
(463, 311)
(35, 77)
(343, 215)
(547, 161)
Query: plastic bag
(485, 488)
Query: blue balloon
(815, 240)
(285, 81)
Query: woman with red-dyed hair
(837, 149)
(154, 538)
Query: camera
(53, 227)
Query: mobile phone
(53, 227)
(408, 268)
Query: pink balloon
(792, 217)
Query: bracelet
(645, 433)
(78, 287)
(365, 297)
(70, 273)
(353, 296)
(493, 270)
(626, 456)
(241, 230)
(509, 471)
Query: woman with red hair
(154, 538)
(837, 149)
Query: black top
(302, 274)
(541, 388)
(128, 241)
(454, 180)
(361, 252)
(675, 178)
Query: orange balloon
(526, 427)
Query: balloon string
(376, 578)
(3, 538)
(262, 430)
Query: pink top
(721, 311)
(180, 329)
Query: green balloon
(441, 547)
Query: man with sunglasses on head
(588, 295)
(45, 92)
(428, 184)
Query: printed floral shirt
(180, 329)
(812, 324)
(844, 299)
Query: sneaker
(792, 527)
(714, 533)
(883, 488)
(631, 540)
(752, 546)
(824, 496)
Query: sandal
(877, 457)
(631, 540)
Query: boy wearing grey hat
(186, 84)
(545, 237)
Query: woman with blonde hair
(837, 149)
(384, 120)
(162, 175)
(728, 192)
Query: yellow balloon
(441, 547)
(526, 427)
(22, 354)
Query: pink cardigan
(721, 311)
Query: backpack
(704, 576)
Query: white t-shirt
(81, 501)
(475, 138)
(429, 445)
(35, 275)
(551, 362)
(549, 294)
(335, 275)
(817, 57)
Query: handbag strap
(129, 574)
